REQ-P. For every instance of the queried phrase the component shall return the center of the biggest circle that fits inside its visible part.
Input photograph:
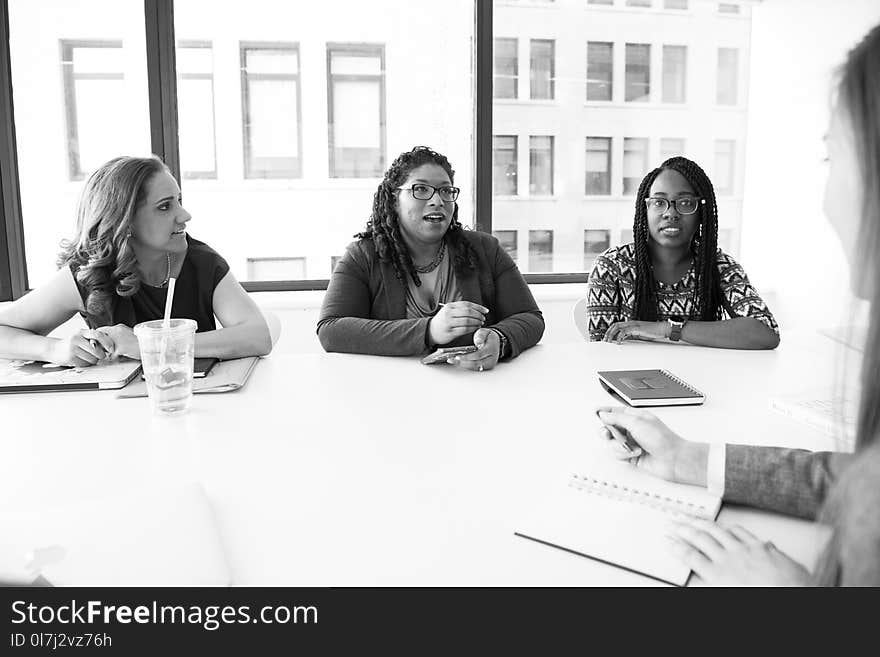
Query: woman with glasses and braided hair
(672, 281)
(415, 279)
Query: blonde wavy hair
(100, 254)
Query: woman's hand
(665, 454)
(83, 349)
(124, 340)
(733, 556)
(454, 320)
(636, 330)
(486, 356)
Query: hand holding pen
(84, 348)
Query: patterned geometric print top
(611, 292)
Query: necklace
(167, 274)
(431, 266)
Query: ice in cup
(167, 359)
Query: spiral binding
(638, 496)
(682, 383)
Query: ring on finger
(481, 367)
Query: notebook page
(620, 515)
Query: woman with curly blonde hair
(130, 241)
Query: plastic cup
(167, 360)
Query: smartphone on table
(201, 367)
(445, 353)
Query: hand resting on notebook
(721, 556)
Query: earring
(128, 235)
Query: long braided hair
(383, 226)
(709, 301)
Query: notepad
(163, 537)
(650, 388)
(34, 376)
(619, 515)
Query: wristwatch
(502, 350)
(675, 327)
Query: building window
(674, 74)
(600, 70)
(356, 110)
(728, 8)
(598, 167)
(671, 147)
(728, 64)
(675, 4)
(276, 269)
(540, 250)
(595, 243)
(506, 68)
(540, 166)
(725, 159)
(638, 3)
(600, 2)
(92, 72)
(504, 166)
(638, 72)
(271, 110)
(635, 163)
(507, 240)
(195, 109)
(542, 71)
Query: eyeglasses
(683, 205)
(423, 192)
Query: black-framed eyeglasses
(423, 192)
(683, 205)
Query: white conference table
(333, 469)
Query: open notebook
(34, 376)
(151, 538)
(619, 515)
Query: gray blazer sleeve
(345, 324)
(523, 323)
(791, 481)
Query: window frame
(362, 49)
(243, 48)
(207, 45)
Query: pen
(622, 440)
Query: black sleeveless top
(203, 268)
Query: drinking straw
(166, 323)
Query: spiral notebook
(650, 388)
(618, 515)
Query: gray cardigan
(840, 490)
(364, 309)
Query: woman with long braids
(672, 281)
(131, 240)
(415, 279)
(839, 490)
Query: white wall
(787, 245)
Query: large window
(79, 88)
(505, 165)
(195, 109)
(542, 69)
(271, 110)
(638, 72)
(598, 161)
(356, 93)
(507, 240)
(506, 68)
(600, 70)
(674, 74)
(728, 73)
(540, 166)
(670, 147)
(596, 241)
